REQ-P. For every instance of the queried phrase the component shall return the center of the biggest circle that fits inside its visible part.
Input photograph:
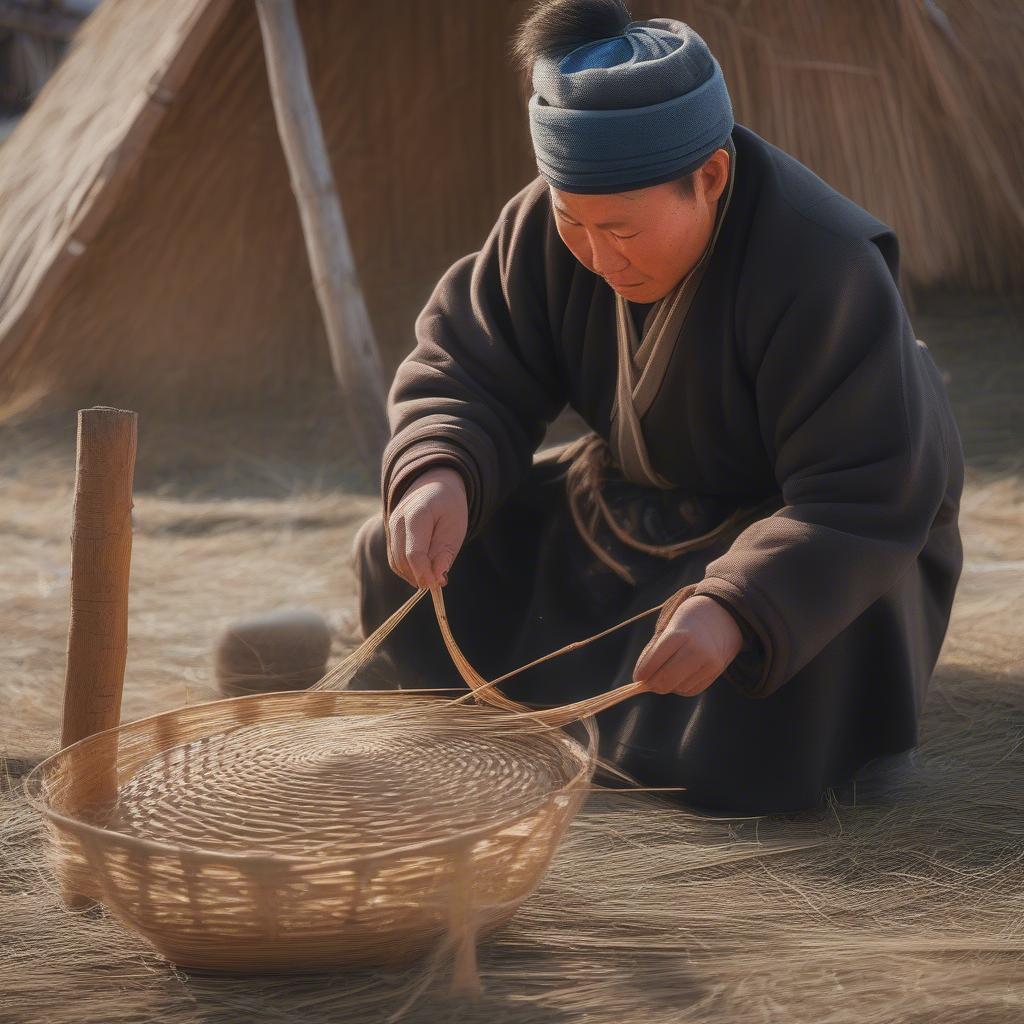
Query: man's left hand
(692, 651)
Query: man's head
(643, 242)
(629, 122)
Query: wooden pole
(101, 551)
(354, 354)
(101, 548)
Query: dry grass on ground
(902, 901)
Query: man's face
(643, 243)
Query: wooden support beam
(354, 353)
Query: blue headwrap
(633, 110)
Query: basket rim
(31, 786)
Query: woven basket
(294, 831)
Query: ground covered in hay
(903, 900)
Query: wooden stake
(101, 548)
(354, 354)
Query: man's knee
(369, 548)
(373, 574)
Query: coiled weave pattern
(295, 831)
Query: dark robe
(797, 383)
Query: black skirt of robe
(527, 584)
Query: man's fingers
(677, 675)
(419, 566)
(666, 675)
(428, 527)
(448, 534)
(402, 541)
(440, 565)
(684, 675)
(410, 527)
(441, 557)
(655, 654)
(396, 548)
(421, 563)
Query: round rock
(282, 650)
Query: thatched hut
(150, 249)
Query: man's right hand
(428, 527)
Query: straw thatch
(151, 253)
(911, 107)
(153, 249)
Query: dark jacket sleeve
(848, 418)
(483, 380)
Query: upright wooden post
(354, 354)
(101, 549)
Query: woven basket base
(303, 831)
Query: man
(772, 452)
